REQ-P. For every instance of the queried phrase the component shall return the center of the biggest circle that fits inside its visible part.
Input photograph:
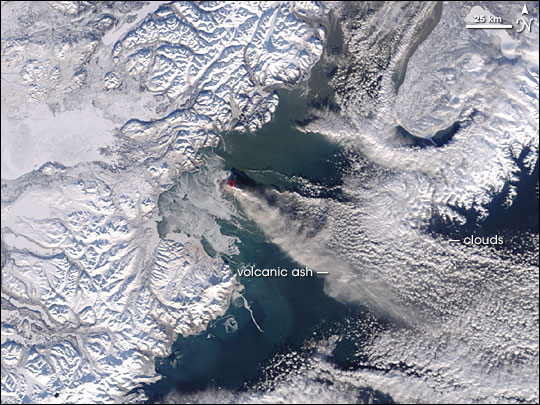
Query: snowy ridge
(181, 53)
(461, 78)
(90, 293)
(99, 284)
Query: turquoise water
(289, 310)
(281, 156)
(281, 148)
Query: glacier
(130, 92)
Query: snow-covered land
(103, 105)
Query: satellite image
(269, 202)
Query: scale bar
(489, 26)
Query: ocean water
(515, 224)
(232, 353)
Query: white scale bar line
(489, 26)
(323, 272)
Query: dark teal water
(282, 157)
(289, 310)
(293, 310)
(515, 224)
